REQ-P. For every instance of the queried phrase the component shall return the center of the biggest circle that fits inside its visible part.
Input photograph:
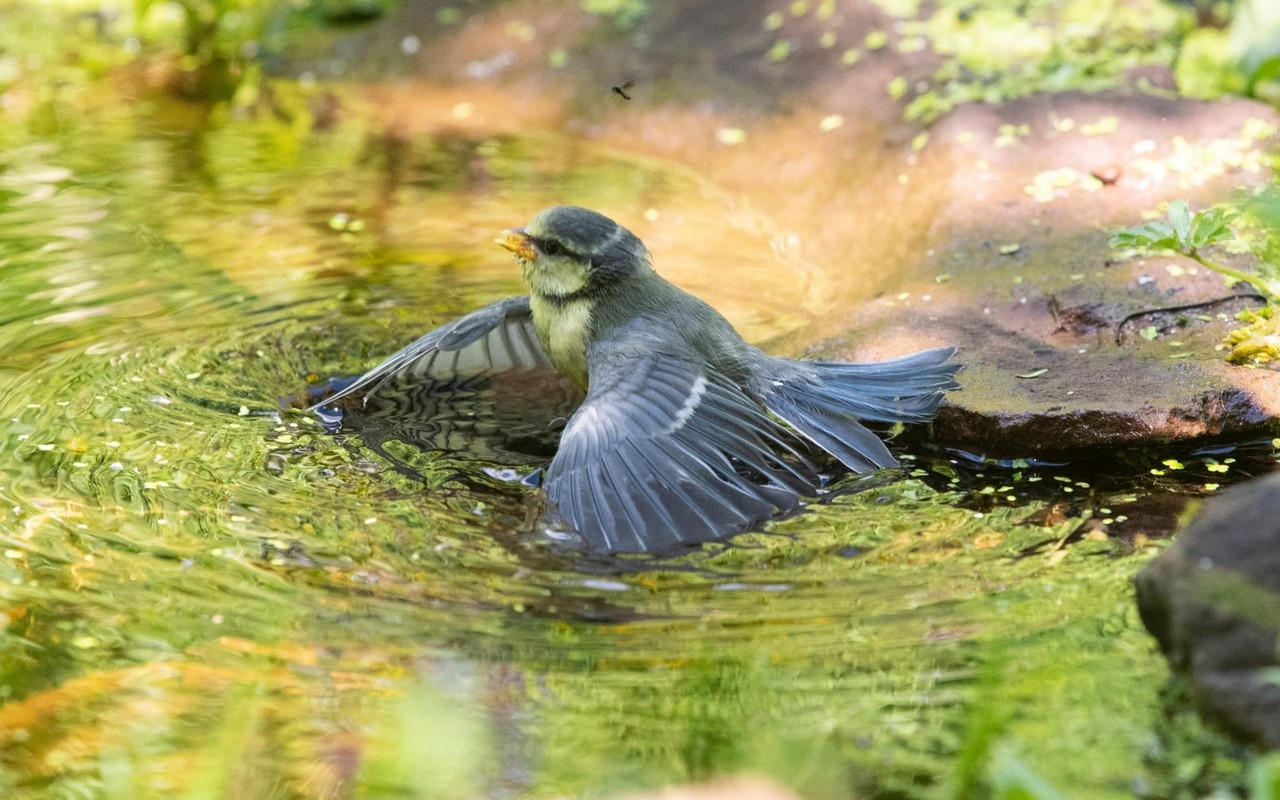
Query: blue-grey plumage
(686, 433)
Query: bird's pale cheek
(556, 276)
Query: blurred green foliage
(1264, 778)
(998, 51)
(50, 54)
(208, 50)
(625, 13)
(1241, 58)
(1013, 780)
(218, 40)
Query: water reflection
(507, 418)
(203, 592)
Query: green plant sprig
(1187, 233)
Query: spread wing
(496, 338)
(664, 451)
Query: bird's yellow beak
(518, 242)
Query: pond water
(206, 595)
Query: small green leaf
(1121, 240)
(1035, 373)
(1210, 227)
(1180, 219)
(1155, 235)
(1150, 332)
(1161, 234)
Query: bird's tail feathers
(826, 402)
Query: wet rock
(1097, 395)
(1212, 600)
(1068, 351)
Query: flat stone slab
(1019, 274)
(1081, 404)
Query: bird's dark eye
(552, 248)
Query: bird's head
(567, 252)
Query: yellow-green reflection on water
(204, 595)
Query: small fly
(622, 90)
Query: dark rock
(1212, 600)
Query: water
(206, 594)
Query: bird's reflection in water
(512, 419)
(504, 425)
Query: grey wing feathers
(824, 400)
(663, 451)
(496, 338)
(907, 389)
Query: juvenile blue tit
(685, 433)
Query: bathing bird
(685, 432)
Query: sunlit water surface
(204, 593)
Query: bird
(685, 433)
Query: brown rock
(1031, 283)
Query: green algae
(992, 52)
